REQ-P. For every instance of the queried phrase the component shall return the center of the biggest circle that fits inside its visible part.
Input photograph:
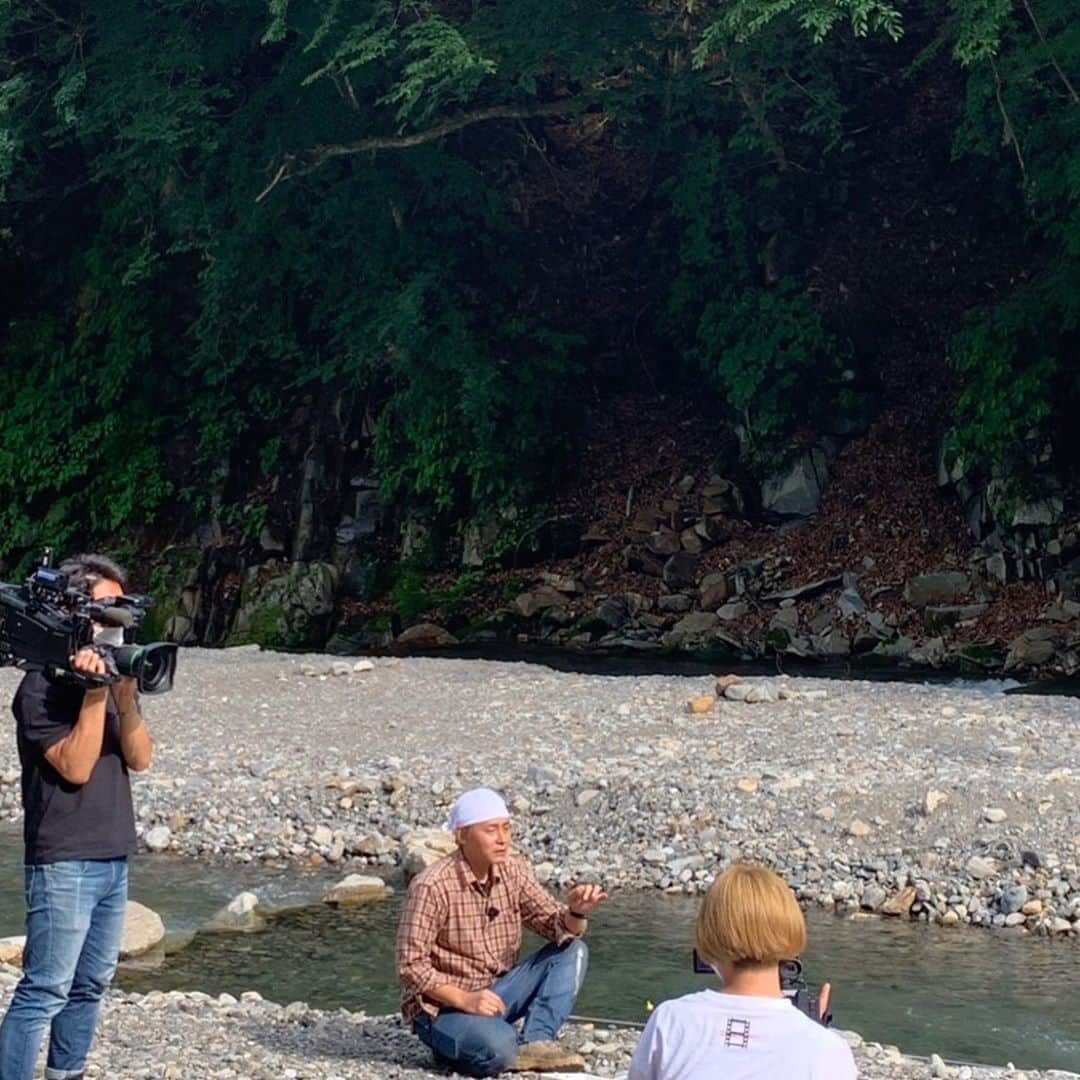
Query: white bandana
(480, 804)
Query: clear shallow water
(966, 994)
(184, 892)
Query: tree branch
(310, 160)
(1053, 60)
(1010, 131)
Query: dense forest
(261, 259)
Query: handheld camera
(45, 621)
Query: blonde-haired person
(747, 1030)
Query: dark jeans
(542, 989)
(74, 919)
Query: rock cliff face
(842, 555)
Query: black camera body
(45, 621)
(793, 986)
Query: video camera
(44, 622)
(792, 985)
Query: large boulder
(286, 606)
(241, 915)
(795, 491)
(663, 542)
(425, 636)
(11, 950)
(612, 613)
(673, 604)
(1032, 649)
(692, 629)
(356, 889)
(713, 591)
(423, 847)
(937, 618)
(680, 570)
(143, 930)
(528, 604)
(939, 588)
(900, 904)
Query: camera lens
(153, 666)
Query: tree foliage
(223, 224)
(1022, 117)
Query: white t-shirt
(715, 1036)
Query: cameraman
(76, 747)
(748, 923)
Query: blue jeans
(542, 989)
(74, 919)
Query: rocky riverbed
(177, 1036)
(952, 805)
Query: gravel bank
(954, 804)
(179, 1036)
(957, 804)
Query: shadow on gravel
(338, 1037)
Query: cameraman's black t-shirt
(94, 820)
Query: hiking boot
(546, 1056)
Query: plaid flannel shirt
(454, 931)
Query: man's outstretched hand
(583, 898)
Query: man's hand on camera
(88, 662)
(483, 1003)
(823, 999)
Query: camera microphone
(110, 615)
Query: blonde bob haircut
(750, 918)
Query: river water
(969, 995)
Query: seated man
(458, 942)
(747, 1030)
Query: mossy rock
(286, 610)
(175, 573)
(266, 626)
